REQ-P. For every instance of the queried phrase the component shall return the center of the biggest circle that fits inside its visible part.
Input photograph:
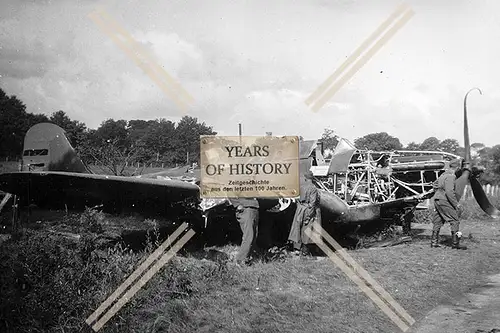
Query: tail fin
(46, 148)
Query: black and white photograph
(249, 166)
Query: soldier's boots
(455, 241)
(435, 239)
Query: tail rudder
(46, 148)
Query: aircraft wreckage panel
(249, 166)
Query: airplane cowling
(332, 207)
(335, 209)
(361, 214)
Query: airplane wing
(181, 173)
(176, 172)
(80, 189)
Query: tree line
(482, 155)
(131, 141)
(169, 143)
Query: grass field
(52, 284)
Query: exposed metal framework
(384, 176)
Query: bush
(48, 281)
(93, 220)
(52, 283)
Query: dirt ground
(477, 311)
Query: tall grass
(51, 283)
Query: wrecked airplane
(357, 187)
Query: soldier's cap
(309, 175)
(455, 163)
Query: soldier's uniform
(446, 207)
(247, 215)
(308, 211)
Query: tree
(413, 146)
(329, 139)
(110, 157)
(112, 130)
(431, 143)
(14, 123)
(137, 129)
(475, 149)
(489, 159)
(449, 146)
(87, 145)
(477, 146)
(495, 157)
(74, 129)
(158, 142)
(187, 139)
(378, 142)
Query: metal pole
(239, 132)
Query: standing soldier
(247, 214)
(308, 211)
(446, 206)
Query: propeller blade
(482, 199)
(463, 175)
(477, 189)
(466, 127)
(466, 133)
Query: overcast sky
(256, 62)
